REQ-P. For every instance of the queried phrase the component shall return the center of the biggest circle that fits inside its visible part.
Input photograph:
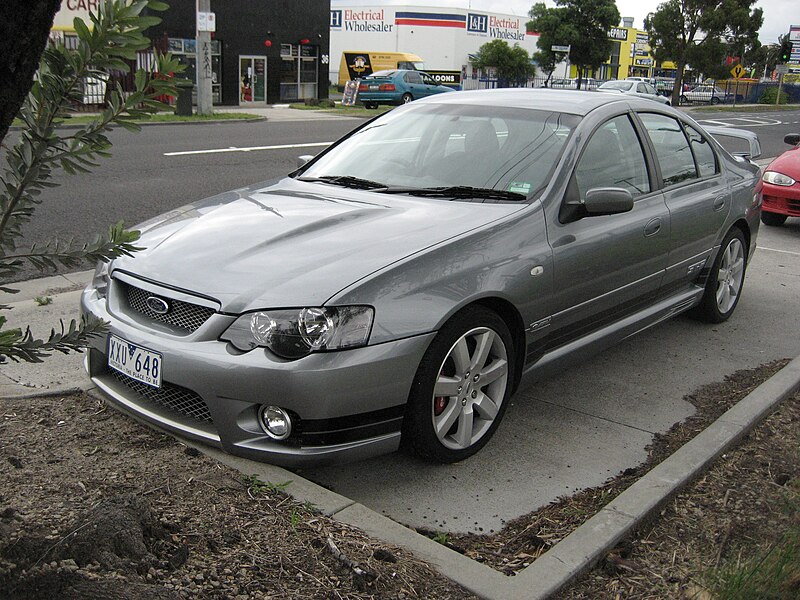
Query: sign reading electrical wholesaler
(74, 8)
(361, 20)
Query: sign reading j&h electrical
(361, 20)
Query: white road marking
(780, 251)
(248, 149)
(746, 122)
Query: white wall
(443, 37)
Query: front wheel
(725, 280)
(461, 388)
(715, 100)
(406, 98)
(772, 219)
(684, 99)
(370, 105)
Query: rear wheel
(407, 98)
(684, 99)
(725, 281)
(773, 219)
(370, 105)
(461, 388)
(715, 100)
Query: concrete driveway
(596, 419)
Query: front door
(252, 80)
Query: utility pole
(203, 60)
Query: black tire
(370, 105)
(406, 98)
(473, 397)
(773, 219)
(715, 100)
(709, 309)
(684, 99)
(669, 103)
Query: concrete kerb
(562, 564)
(584, 547)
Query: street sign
(782, 69)
(559, 48)
(738, 71)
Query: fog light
(275, 422)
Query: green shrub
(769, 95)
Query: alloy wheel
(730, 275)
(470, 388)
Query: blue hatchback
(398, 86)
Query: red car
(780, 185)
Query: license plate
(134, 361)
(374, 87)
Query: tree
(112, 39)
(19, 54)
(700, 33)
(591, 19)
(555, 29)
(513, 65)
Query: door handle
(719, 203)
(652, 228)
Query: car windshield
(616, 85)
(448, 145)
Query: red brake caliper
(439, 404)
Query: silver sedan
(396, 289)
(632, 87)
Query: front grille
(173, 397)
(787, 206)
(182, 315)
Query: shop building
(443, 37)
(261, 52)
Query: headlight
(776, 178)
(294, 333)
(101, 279)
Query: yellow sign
(737, 71)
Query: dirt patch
(524, 539)
(94, 505)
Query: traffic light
(786, 51)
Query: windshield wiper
(346, 181)
(457, 191)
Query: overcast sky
(778, 14)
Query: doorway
(252, 80)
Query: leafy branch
(112, 40)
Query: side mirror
(792, 139)
(607, 201)
(303, 160)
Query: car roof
(576, 102)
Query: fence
(729, 91)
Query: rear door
(695, 192)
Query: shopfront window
(185, 50)
(299, 71)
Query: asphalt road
(163, 167)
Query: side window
(613, 157)
(650, 89)
(413, 77)
(703, 153)
(428, 80)
(672, 148)
(641, 88)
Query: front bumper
(346, 405)
(784, 200)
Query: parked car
(399, 86)
(781, 185)
(399, 286)
(587, 83)
(633, 87)
(705, 93)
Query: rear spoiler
(742, 134)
